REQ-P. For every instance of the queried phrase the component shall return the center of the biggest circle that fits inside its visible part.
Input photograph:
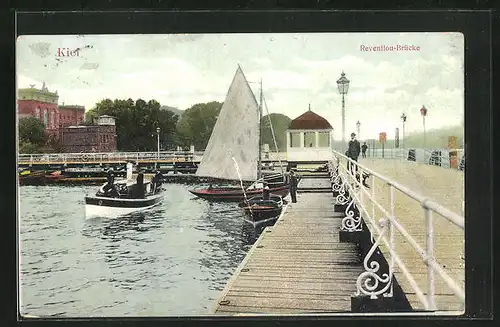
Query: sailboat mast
(259, 164)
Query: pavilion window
(323, 139)
(294, 140)
(309, 139)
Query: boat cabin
(309, 138)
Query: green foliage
(136, 123)
(28, 148)
(280, 125)
(31, 130)
(196, 124)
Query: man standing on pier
(293, 186)
(353, 152)
(363, 149)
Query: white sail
(235, 134)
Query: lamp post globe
(423, 112)
(343, 86)
(158, 141)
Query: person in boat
(210, 187)
(157, 181)
(110, 188)
(140, 192)
(293, 186)
(266, 193)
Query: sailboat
(236, 138)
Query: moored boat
(235, 194)
(124, 197)
(260, 210)
(233, 152)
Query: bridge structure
(391, 242)
(427, 156)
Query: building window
(294, 140)
(323, 139)
(37, 113)
(52, 119)
(45, 117)
(309, 139)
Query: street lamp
(403, 119)
(358, 127)
(423, 112)
(343, 85)
(158, 140)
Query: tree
(136, 123)
(196, 124)
(28, 148)
(280, 125)
(31, 134)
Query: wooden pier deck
(444, 186)
(298, 265)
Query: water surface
(172, 260)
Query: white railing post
(392, 248)
(430, 259)
(373, 197)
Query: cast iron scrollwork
(352, 221)
(372, 282)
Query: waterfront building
(100, 137)
(308, 138)
(39, 103)
(43, 104)
(70, 115)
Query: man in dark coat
(110, 188)
(293, 186)
(266, 193)
(157, 181)
(363, 149)
(353, 151)
(140, 185)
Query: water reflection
(111, 228)
(172, 260)
(231, 238)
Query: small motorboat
(259, 210)
(123, 198)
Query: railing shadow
(374, 226)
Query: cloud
(296, 69)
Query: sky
(299, 69)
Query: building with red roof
(309, 138)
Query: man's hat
(353, 134)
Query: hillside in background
(280, 125)
(176, 111)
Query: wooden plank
(298, 266)
(271, 303)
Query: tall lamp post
(423, 112)
(358, 128)
(343, 85)
(158, 141)
(403, 119)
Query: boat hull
(236, 195)
(103, 207)
(259, 210)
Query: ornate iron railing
(372, 282)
